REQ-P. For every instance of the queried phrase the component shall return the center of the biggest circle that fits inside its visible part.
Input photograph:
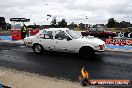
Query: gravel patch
(19, 79)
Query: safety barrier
(122, 39)
(119, 41)
(124, 34)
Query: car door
(101, 32)
(93, 32)
(62, 44)
(47, 40)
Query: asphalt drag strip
(108, 65)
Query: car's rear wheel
(87, 52)
(38, 49)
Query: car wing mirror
(68, 38)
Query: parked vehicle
(64, 40)
(99, 32)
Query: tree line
(112, 23)
(4, 25)
(64, 24)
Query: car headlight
(101, 47)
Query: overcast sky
(97, 11)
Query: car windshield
(100, 29)
(93, 30)
(74, 34)
(97, 29)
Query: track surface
(109, 65)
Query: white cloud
(97, 11)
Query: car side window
(100, 30)
(46, 35)
(60, 35)
(93, 30)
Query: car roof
(53, 29)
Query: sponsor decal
(20, 19)
(85, 81)
(120, 42)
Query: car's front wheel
(87, 52)
(38, 49)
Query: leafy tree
(111, 23)
(118, 25)
(54, 22)
(8, 26)
(2, 23)
(72, 25)
(128, 24)
(82, 26)
(123, 24)
(62, 23)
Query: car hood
(92, 40)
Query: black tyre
(38, 49)
(111, 37)
(87, 52)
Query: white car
(64, 40)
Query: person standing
(23, 31)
